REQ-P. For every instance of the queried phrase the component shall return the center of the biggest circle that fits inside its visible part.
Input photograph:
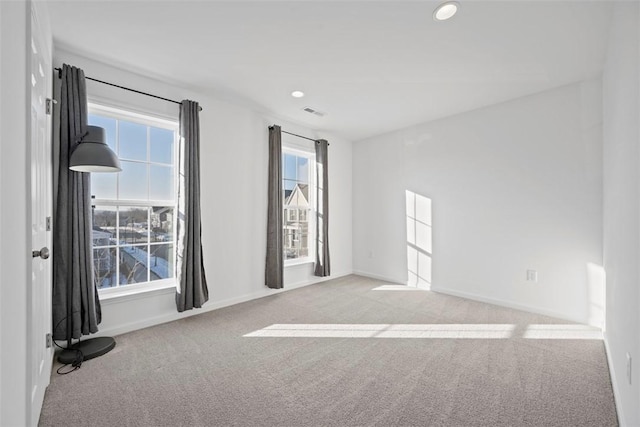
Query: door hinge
(49, 105)
(49, 339)
(48, 223)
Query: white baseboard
(507, 304)
(311, 282)
(209, 306)
(379, 277)
(614, 381)
(480, 298)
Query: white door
(39, 350)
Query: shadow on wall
(419, 240)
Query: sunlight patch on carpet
(398, 288)
(562, 332)
(433, 331)
(428, 331)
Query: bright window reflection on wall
(419, 240)
(597, 295)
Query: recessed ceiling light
(446, 10)
(297, 94)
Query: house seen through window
(297, 185)
(134, 211)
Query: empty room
(319, 213)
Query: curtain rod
(59, 70)
(295, 134)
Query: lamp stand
(93, 347)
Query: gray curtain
(274, 268)
(76, 308)
(192, 289)
(323, 263)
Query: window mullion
(118, 248)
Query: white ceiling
(372, 66)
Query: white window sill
(300, 261)
(135, 292)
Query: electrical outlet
(371, 254)
(629, 368)
(532, 276)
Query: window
(297, 185)
(133, 212)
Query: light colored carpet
(204, 371)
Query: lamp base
(93, 347)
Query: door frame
(15, 222)
(39, 325)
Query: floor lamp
(91, 155)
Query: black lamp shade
(93, 154)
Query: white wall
(14, 215)
(1, 207)
(621, 100)
(234, 201)
(514, 186)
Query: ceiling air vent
(314, 112)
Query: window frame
(146, 119)
(311, 217)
